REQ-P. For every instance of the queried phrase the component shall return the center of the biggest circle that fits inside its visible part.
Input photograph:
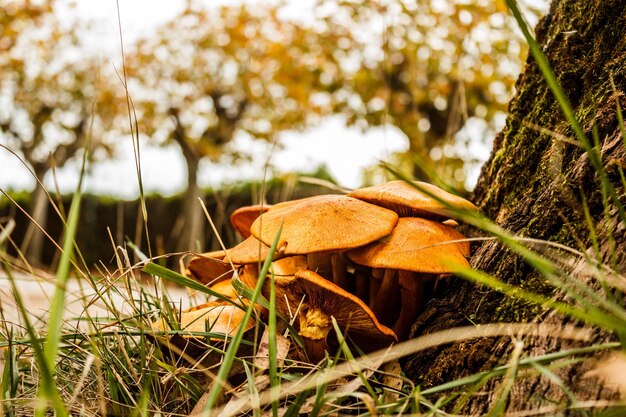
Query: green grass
(130, 372)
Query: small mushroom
(282, 270)
(208, 267)
(249, 275)
(225, 288)
(243, 217)
(215, 317)
(418, 249)
(219, 318)
(407, 201)
(321, 300)
(287, 267)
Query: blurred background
(236, 103)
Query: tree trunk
(535, 184)
(191, 216)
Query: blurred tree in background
(211, 74)
(426, 67)
(52, 97)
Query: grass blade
(350, 357)
(49, 390)
(523, 363)
(169, 275)
(507, 383)
(591, 315)
(229, 358)
(55, 319)
(274, 381)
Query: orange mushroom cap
(324, 223)
(406, 200)
(410, 247)
(288, 203)
(243, 217)
(250, 251)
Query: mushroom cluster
(364, 259)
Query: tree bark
(535, 184)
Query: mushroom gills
(322, 300)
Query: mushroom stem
(315, 349)
(412, 290)
(249, 275)
(320, 263)
(362, 276)
(314, 328)
(351, 274)
(340, 276)
(386, 298)
(375, 280)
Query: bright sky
(346, 152)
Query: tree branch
(179, 135)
